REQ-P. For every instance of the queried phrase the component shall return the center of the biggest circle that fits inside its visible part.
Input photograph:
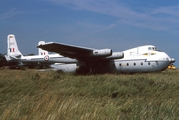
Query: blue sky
(115, 24)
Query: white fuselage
(140, 59)
(141, 63)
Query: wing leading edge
(80, 53)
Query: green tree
(3, 61)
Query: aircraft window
(155, 49)
(148, 63)
(134, 64)
(120, 64)
(151, 48)
(141, 63)
(127, 64)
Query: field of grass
(49, 95)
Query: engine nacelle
(102, 52)
(116, 55)
(64, 67)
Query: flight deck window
(154, 48)
(149, 48)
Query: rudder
(42, 52)
(12, 48)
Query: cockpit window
(153, 48)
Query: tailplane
(42, 52)
(13, 52)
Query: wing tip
(47, 43)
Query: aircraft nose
(165, 56)
(172, 60)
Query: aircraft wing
(77, 52)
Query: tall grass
(30, 94)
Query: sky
(115, 24)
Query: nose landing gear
(171, 67)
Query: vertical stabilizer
(42, 52)
(12, 48)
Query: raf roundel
(46, 58)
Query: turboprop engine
(102, 52)
(116, 55)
